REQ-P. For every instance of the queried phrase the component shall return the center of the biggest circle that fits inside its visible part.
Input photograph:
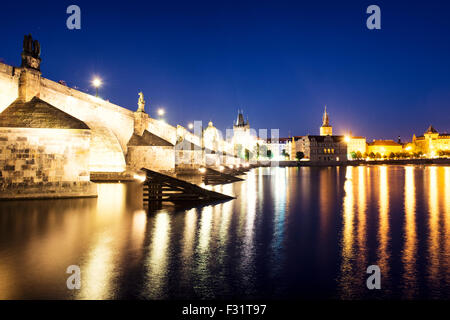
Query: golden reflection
(347, 275)
(248, 252)
(433, 224)
(362, 211)
(158, 259)
(325, 214)
(227, 210)
(190, 222)
(7, 286)
(410, 246)
(97, 274)
(447, 221)
(383, 228)
(111, 200)
(324, 201)
(205, 229)
(98, 271)
(139, 225)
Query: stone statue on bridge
(141, 103)
(31, 53)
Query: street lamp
(161, 112)
(96, 82)
(190, 126)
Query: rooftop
(384, 143)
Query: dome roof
(37, 113)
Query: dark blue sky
(279, 61)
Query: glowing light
(231, 166)
(347, 139)
(190, 126)
(139, 177)
(161, 112)
(202, 170)
(408, 148)
(96, 82)
(221, 168)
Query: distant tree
(238, 150)
(257, 151)
(353, 155)
(269, 154)
(284, 153)
(444, 153)
(372, 155)
(365, 155)
(378, 155)
(392, 155)
(359, 155)
(247, 154)
(299, 155)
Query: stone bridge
(118, 140)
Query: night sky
(279, 61)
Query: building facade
(384, 147)
(324, 148)
(431, 143)
(356, 146)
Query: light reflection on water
(291, 233)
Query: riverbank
(354, 163)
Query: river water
(292, 233)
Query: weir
(214, 177)
(159, 188)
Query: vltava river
(291, 233)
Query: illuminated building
(324, 148)
(326, 129)
(384, 147)
(431, 143)
(355, 145)
(243, 141)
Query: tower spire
(326, 129)
(325, 119)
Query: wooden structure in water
(214, 177)
(160, 188)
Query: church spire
(325, 119)
(326, 129)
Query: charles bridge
(54, 139)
